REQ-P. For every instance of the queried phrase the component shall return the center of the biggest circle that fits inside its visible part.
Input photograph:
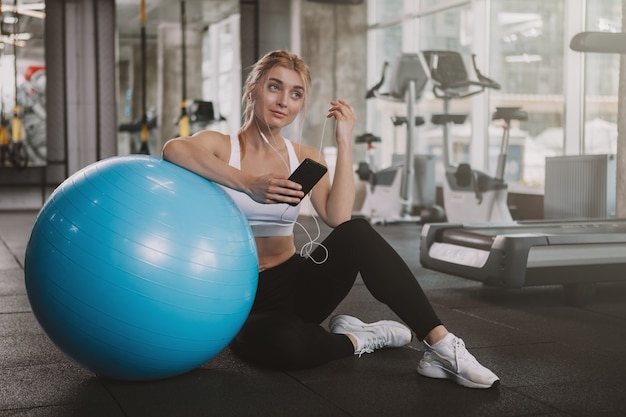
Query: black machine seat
(400, 120)
(464, 175)
(368, 138)
(202, 111)
(509, 113)
(466, 178)
(442, 119)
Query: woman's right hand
(268, 189)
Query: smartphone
(307, 175)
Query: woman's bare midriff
(274, 250)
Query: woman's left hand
(345, 119)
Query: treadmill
(575, 254)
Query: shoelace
(460, 352)
(370, 345)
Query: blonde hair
(259, 73)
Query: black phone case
(307, 174)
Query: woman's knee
(355, 231)
(355, 224)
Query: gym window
(571, 98)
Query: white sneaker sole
(436, 370)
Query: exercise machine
(393, 193)
(575, 254)
(469, 195)
(599, 42)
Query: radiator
(580, 187)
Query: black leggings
(283, 330)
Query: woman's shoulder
(211, 139)
(210, 135)
(207, 140)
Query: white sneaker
(449, 359)
(371, 336)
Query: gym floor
(553, 359)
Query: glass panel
(527, 59)
(388, 9)
(22, 89)
(207, 68)
(228, 94)
(602, 81)
(388, 43)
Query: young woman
(296, 293)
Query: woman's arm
(207, 153)
(334, 203)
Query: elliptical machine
(469, 195)
(392, 194)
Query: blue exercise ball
(138, 269)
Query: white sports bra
(264, 219)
